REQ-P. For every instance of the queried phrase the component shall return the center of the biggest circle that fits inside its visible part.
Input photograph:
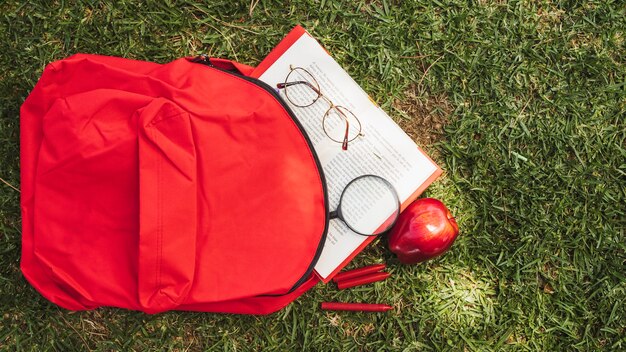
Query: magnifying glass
(367, 202)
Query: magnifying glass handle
(333, 215)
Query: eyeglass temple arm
(344, 145)
(289, 84)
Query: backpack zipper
(205, 60)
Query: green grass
(533, 94)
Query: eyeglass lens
(334, 124)
(301, 88)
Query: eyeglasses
(338, 123)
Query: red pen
(358, 272)
(362, 280)
(356, 307)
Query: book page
(383, 150)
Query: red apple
(424, 230)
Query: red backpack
(152, 187)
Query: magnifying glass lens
(369, 205)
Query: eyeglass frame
(317, 90)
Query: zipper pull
(203, 59)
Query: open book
(384, 150)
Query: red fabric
(157, 187)
(232, 66)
